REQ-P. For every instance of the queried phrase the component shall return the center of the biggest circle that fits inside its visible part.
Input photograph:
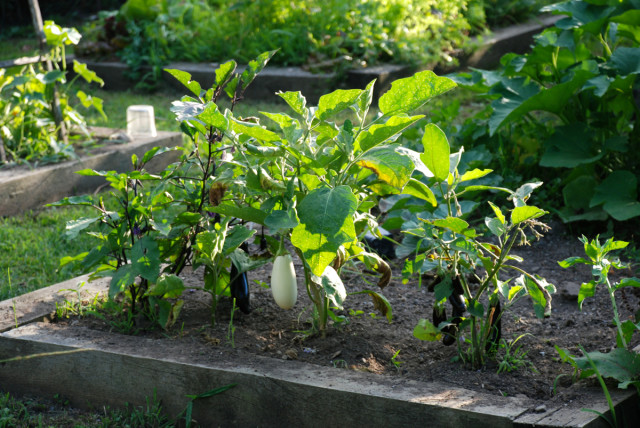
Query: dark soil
(368, 342)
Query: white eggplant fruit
(284, 285)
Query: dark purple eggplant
(240, 289)
(451, 332)
(457, 298)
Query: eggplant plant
(159, 230)
(314, 181)
(621, 363)
(322, 179)
(470, 271)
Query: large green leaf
(519, 97)
(377, 134)
(578, 193)
(455, 224)
(436, 152)
(145, 258)
(122, 278)
(581, 14)
(619, 195)
(336, 101)
(620, 364)
(413, 92)
(390, 166)
(326, 222)
(235, 237)
(167, 287)
(290, 127)
(281, 219)
(570, 146)
(626, 60)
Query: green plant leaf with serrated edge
(297, 102)
(254, 67)
(88, 75)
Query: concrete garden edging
(96, 368)
(23, 188)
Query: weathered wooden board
(91, 368)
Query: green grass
(37, 412)
(18, 47)
(31, 246)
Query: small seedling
(394, 360)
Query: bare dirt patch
(369, 343)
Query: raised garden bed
(23, 188)
(283, 380)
